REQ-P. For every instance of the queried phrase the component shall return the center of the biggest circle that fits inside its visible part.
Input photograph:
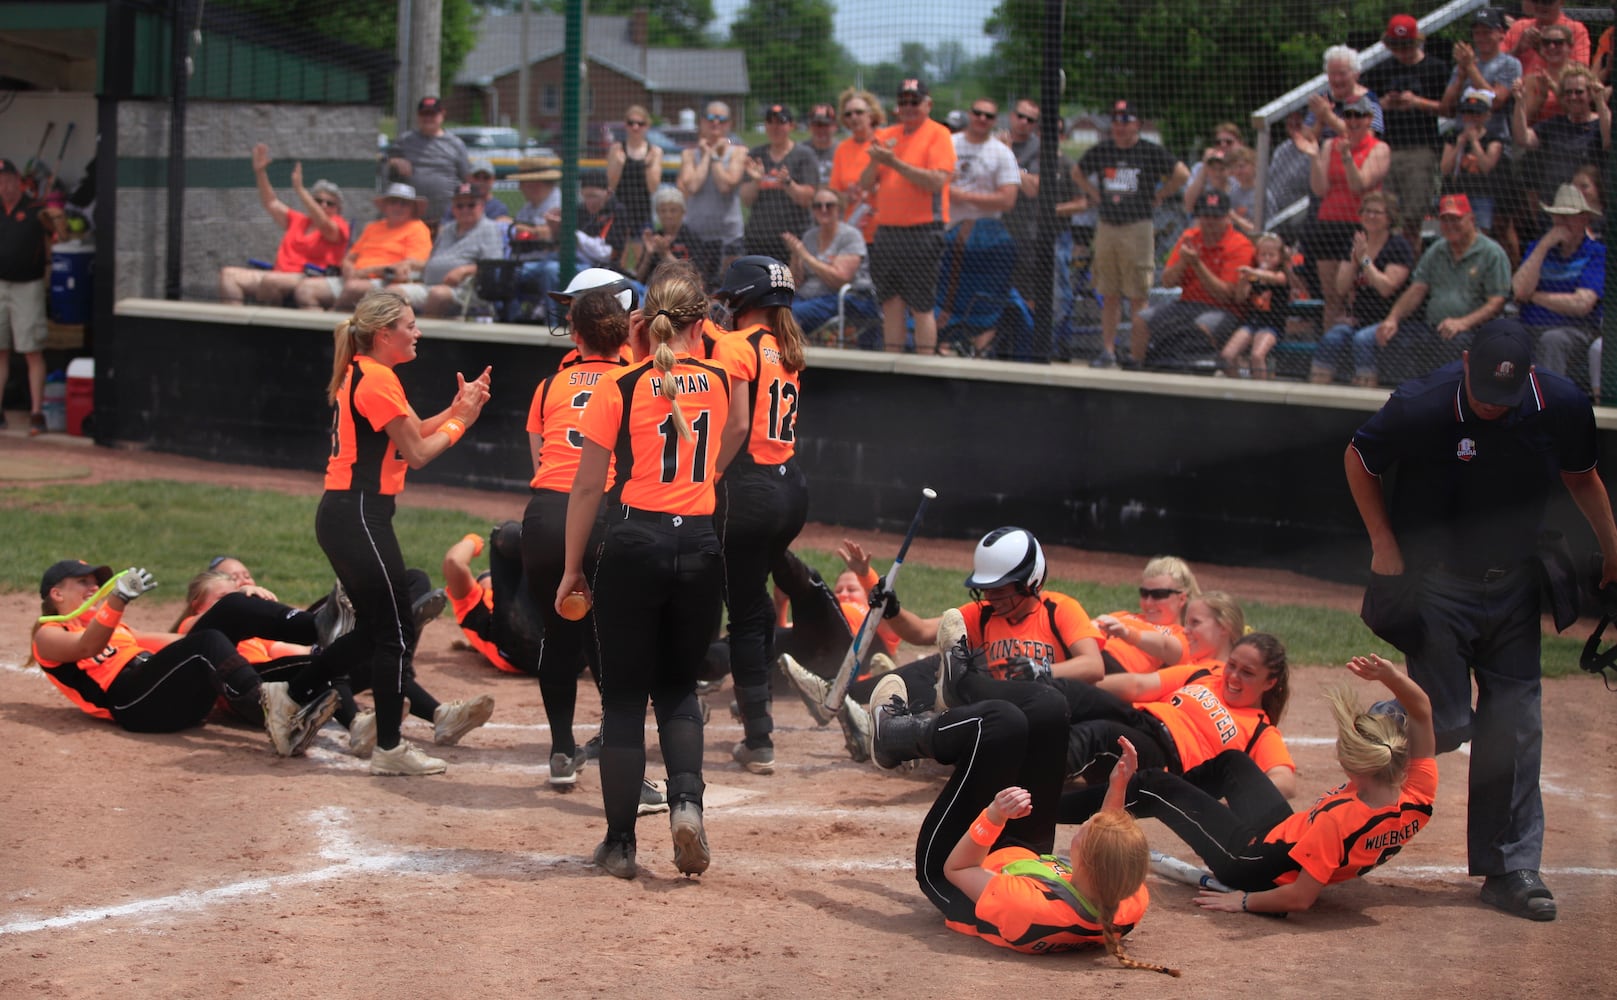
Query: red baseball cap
(1453, 204)
(1402, 28)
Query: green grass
(173, 529)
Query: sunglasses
(718, 118)
(466, 204)
(988, 115)
(328, 203)
(825, 206)
(1030, 119)
(1357, 114)
(216, 560)
(1574, 93)
(1557, 41)
(1158, 593)
(909, 102)
(850, 112)
(1225, 141)
(631, 123)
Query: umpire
(1478, 445)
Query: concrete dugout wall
(1214, 470)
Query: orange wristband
(454, 429)
(985, 831)
(105, 615)
(477, 543)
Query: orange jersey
(362, 455)
(479, 597)
(753, 356)
(854, 612)
(900, 202)
(1028, 913)
(557, 405)
(1045, 636)
(381, 244)
(1203, 726)
(657, 469)
(1341, 837)
(1134, 659)
(85, 682)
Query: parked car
(499, 145)
(602, 136)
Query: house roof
(700, 71)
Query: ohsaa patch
(1505, 371)
(780, 276)
(1467, 450)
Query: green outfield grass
(174, 529)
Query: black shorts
(904, 264)
(1330, 240)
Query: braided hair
(674, 300)
(1113, 858)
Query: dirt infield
(199, 865)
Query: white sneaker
(279, 708)
(362, 731)
(405, 759)
(888, 697)
(951, 629)
(881, 663)
(455, 719)
(652, 799)
(810, 687)
(306, 722)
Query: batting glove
(132, 583)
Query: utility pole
(403, 105)
(522, 81)
(426, 42)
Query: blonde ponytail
(1368, 746)
(356, 335)
(674, 300)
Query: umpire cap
(755, 282)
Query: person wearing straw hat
(391, 249)
(1560, 286)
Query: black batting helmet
(756, 282)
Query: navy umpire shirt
(1470, 493)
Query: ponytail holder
(108, 616)
(453, 429)
(664, 312)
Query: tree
(369, 24)
(949, 59)
(1185, 73)
(790, 52)
(914, 57)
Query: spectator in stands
(710, 178)
(1473, 162)
(315, 238)
(1525, 38)
(532, 237)
(1205, 266)
(1560, 286)
(1557, 147)
(634, 170)
(1410, 88)
(829, 254)
(449, 277)
(1602, 60)
(1136, 177)
(777, 186)
(909, 170)
(1381, 261)
(1483, 65)
(861, 114)
(1348, 167)
(482, 178)
(1541, 87)
(1022, 138)
(433, 161)
(1290, 166)
(1263, 293)
(541, 208)
(1211, 174)
(668, 238)
(389, 250)
(822, 121)
(986, 177)
(1342, 88)
(1462, 280)
(1587, 181)
(1243, 190)
(600, 238)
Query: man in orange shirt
(1205, 266)
(390, 250)
(910, 166)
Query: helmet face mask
(1004, 557)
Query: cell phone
(262, 265)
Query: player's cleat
(615, 855)
(334, 618)
(881, 663)
(855, 722)
(455, 719)
(406, 759)
(810, 687)
(427, 609)
(652, 799)
(954, 658)
(362, 731)
(279, 708)
(564, 767)
(1520, 894)
(758, 760)
(897, 735)
(691, 854)
(592, 748)
(306, 721)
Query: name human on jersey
(1393, 838)
(1001, 650)
(1216, 712)
(695, 382)
(583, 378)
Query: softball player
(375, 434)
(1154, 637)
(668, 424)
(763, 498)
(159, 682)
(1279, 860)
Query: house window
(551, 99)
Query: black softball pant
(175, 688)
(657, 602)
(1229, 838)
(760, 509)
(355, 530)
(1098, 719)
(544, 551)
(1016, 739)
